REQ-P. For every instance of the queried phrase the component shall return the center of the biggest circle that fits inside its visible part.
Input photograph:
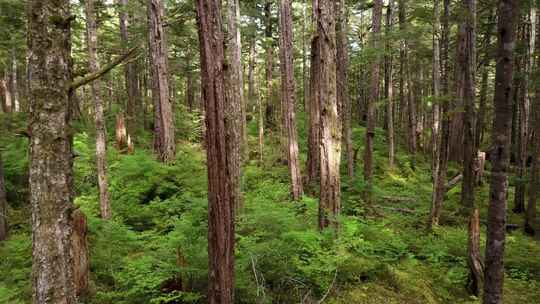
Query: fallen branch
(80, 81)
(329, 288)
(453, 182)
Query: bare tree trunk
(164, 140)
(81, 259)
(7, 105)
(440, 181)
(330, 126)
(305, 80)
(502, 120)
(373, 98)
(220, 197)
(14, 84)
(344, 101)
(288, 96)
(435, 128)
(51, 153)
(467, 67)
(270, 119)
(3, 204)
(234, 89)
(523, 104)
(389, 87)
(101, 135)
(190, 88)
(131, 76)
(313, 157)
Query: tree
(51, 153)
(101, 133)
(220, 198)
(389, 84)
(436, 71)
(466, 63)
(373, 97)
(287, 96)
(313, 157)
(164, 140)
(330, 126)
(131, 76)
(500, 155)
(3, 204)
(440, 181)
(234, 121)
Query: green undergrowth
(154, 248)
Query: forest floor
(154, 249)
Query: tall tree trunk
(344, 100)
(313, 157)
(101, 135)
(330, 126)
(190, 87)
(389, 86)
(467, 67)
(14, 84)
(500, 155)
(3, 204)
(436, 71)
(440, 189)
(81, 259)
(523, 104)
(131, 76)
(402, 14)
(534, 186)
(373, 98)
(270, 119)
(288, 96)
(7, 105)
(51, 153)
(164, 140)
(234, 124)
(305, 80)
(220, 197)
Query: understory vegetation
(155, 248)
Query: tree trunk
(190, 88)
(270, 119)
(502, 120)
(101, 135)
(7, 105)
(220, 197)
(14, 84)
(389, 87)
(373, 98)
(523, 104)
(313, 157)
(81, 259)
(440, 189)
(131, 76)
(3, 204)
(234, 88)
(164, 140)
(51, 153)
(330, 127)
(436, 120)
(288, 96)
(344, 101)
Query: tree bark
(220, 197)
(14, 84)
(3, 204)
(270, 119)
(164, 140)
(440, 189)
(389, 87)
(500, 155)
(101, 135)
(81, 259)
(51, 153)
(330, 126)
(234, 121)
(288, 97)
(436, 71)
(131, 76)
(344, 100)
(373, 98)
(313, 157)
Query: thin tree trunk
(440, 188)
(344, 100)
(101, 135)
(3, 204)
(14, 84)
(131, 76)
(288, 97)
(500, 156)
(373, 98)
(164, 140)
(51, 153)
(330, 126)
(220, 197)
(523, 104)
(270, 119)
(313, 157)
(389, 87)
(7, 105)
(436, 71)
